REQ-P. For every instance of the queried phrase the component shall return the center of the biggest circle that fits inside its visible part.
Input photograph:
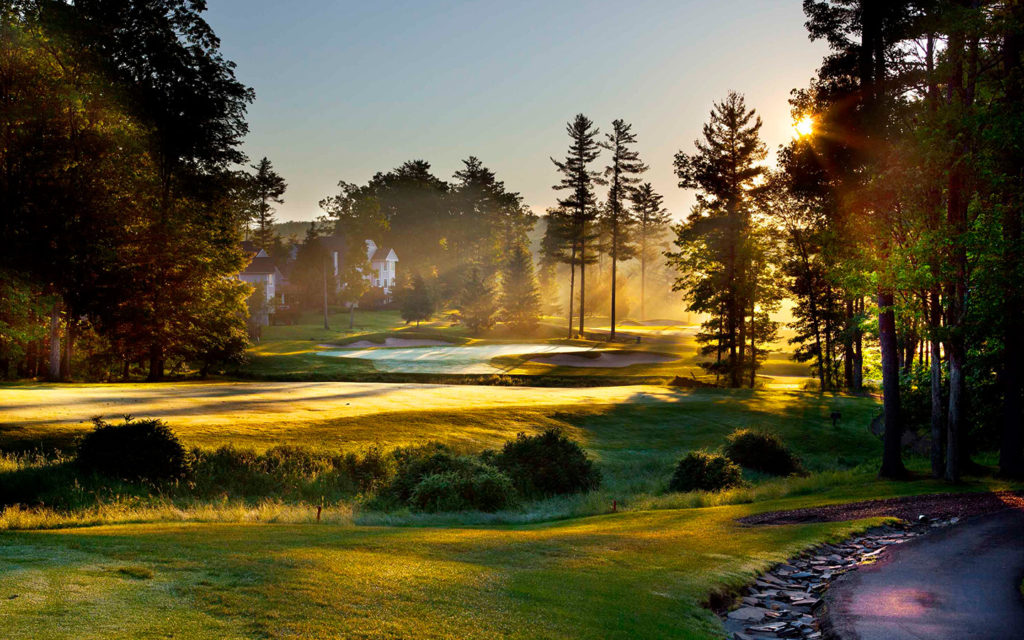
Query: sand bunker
(448, 359)
(609, 359)
(388, 342)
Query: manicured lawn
(640, 575)
(613, 422)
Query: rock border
(786, 601)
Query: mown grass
(641, 574)
(140, 566)
(636, 575)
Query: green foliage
(417, 301)
(134, 450)
(704, 471)
(481, 487)
(477, 305)
(762, 451)
(546, 464)
(520, 301)
(265, 188)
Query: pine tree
(652, 220)
(725, 171)
(520, 301)
(622, 176)
(417, 303)
(579, 180)
(266, 189)
(477, 306)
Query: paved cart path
(963, 583)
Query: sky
(346, 89)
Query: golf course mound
(604, 359)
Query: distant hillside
(295, 228)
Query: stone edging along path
(784, 602)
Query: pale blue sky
(344, 89)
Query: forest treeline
(891, 222)
(120, 193)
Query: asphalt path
(960, 583)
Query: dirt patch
(604, 359)
(935, 506)
(388, 342)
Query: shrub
(483, 487)
(546, 464)
(762, 451)
(371, 471)
(134, 450)
(703, 471)
(413, 464)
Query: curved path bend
(960, 583)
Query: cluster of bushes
(146, 455)
(435, 478)
(759, 451)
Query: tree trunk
(326, 324)
(643, 275)
(572, 285)
(1011, 457)
(938, 416)
(156, 362)
(54, 371)
(858, 353)
(583, 279)
(615, 240)
(892, 459)
(69, 344)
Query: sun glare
(803, 127)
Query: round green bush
(415, 463)
(703, 471)
(546, 464)
(762, 451)
(133, 450)
(484, 489)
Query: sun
(803, 127)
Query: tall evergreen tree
(417, 302)
(622, 175)
(726, 173)
(477, 304)
(267, 188)
(520, 301)
(652, 221)
(579, 180)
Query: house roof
(381, 254)
(260, 265)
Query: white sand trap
(609, 359)
(450, 359)
(388, 342)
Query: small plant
(704, 471)
(546, 464)
(762, 451)
(133, 450)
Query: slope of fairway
(637, 575)
(616, 423)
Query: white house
(261, 270)
(383, 262)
